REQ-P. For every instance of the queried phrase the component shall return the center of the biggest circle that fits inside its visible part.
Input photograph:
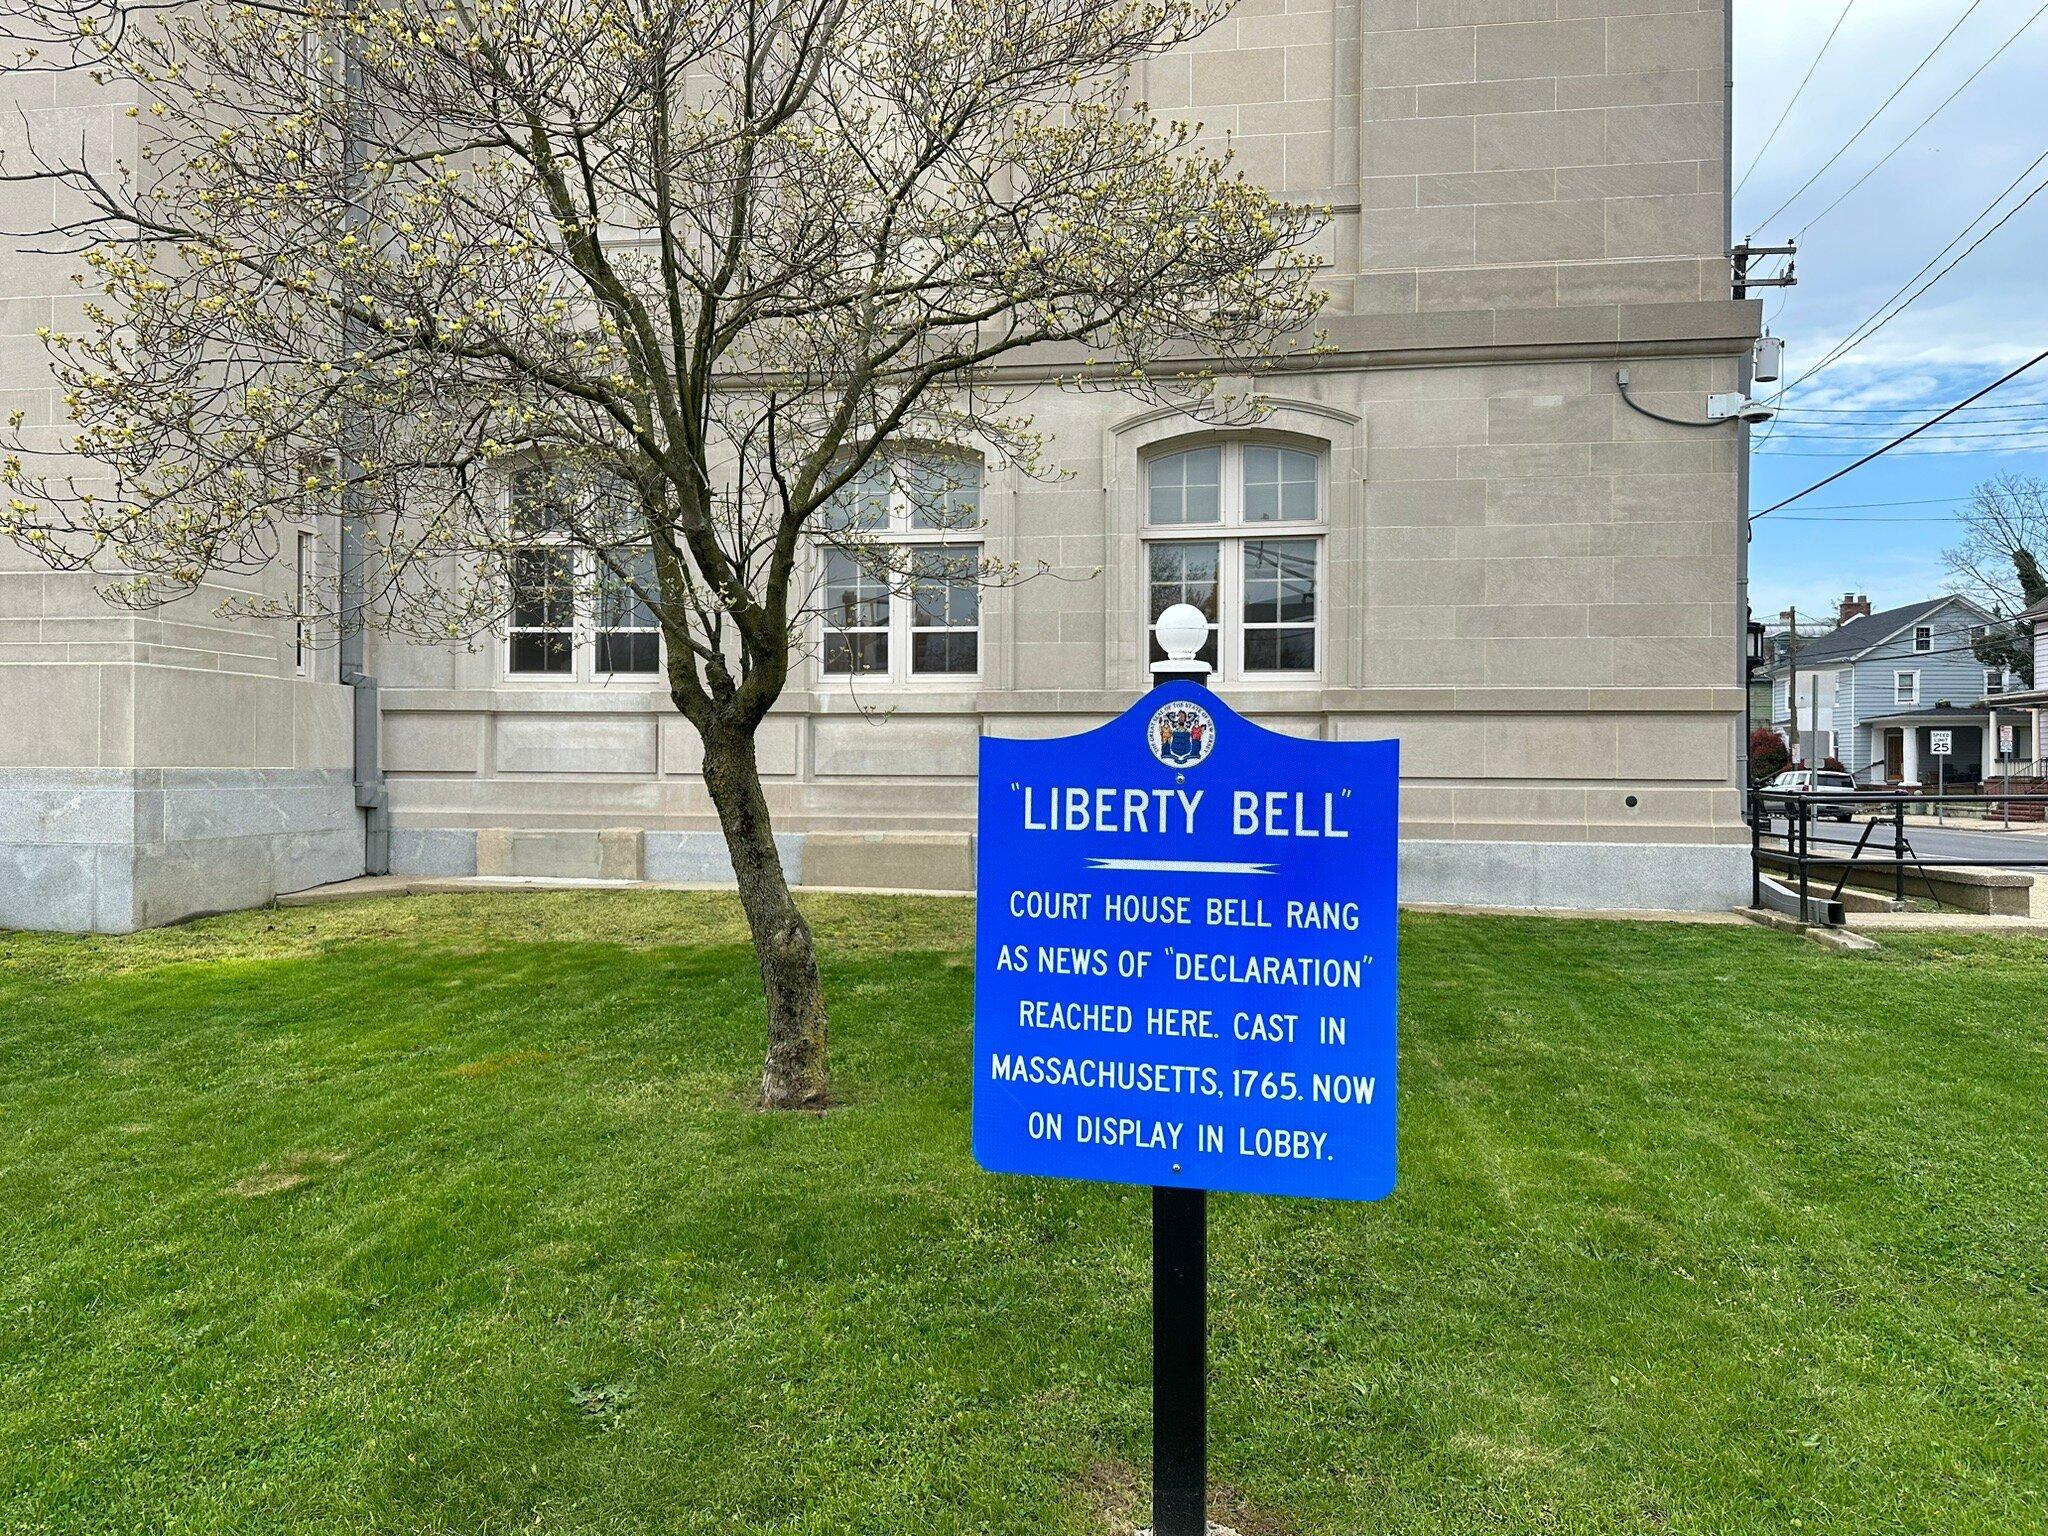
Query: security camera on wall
(1733, 407)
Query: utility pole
(1792, 681)
(1744, 253)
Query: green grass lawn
(451, 1214)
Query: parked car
(1808, 781)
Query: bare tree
(1999, 562)
(691, 268)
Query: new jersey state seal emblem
(1181, 734)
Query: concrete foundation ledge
(700, 858)
(903, 861)
(569, 853)
(1967, 888)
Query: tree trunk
(794, 1074)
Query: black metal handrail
(1801, 809)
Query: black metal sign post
(1180, 1261)
(1180, 1361)
(1276, 805)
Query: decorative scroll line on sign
(1185, 866)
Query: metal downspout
(366, 715)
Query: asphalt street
(1981, 845)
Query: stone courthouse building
(1451, 529)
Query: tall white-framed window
(1905, 687)
(1923, 638)
(305, 593)
(1236, 528)
(899, 581)
(573, 614)
(1994, 681)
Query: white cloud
(1853, 259)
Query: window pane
(618, 604)
(1184, 573)
(945, 610)
(862, 651)
(1297, 650)
(854, 597)
(945, 651)
(539, 504)
(944, 590)
(614, 512)
(1280, 605)
(1279, 485)
(1185, 487)
(540, 651)
(629, 650)
(1280, 581)
(944, 490)
(855, 610)
(862, 503)
(543, 595)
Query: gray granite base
(110, 850)
(1641, 877)
(433, 852)
(1659, 877)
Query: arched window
(576, 616)
(900, 593)
(1236, 529)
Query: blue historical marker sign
(1184, 955)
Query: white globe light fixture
(1181, 630)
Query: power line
(1978, 413)
(1919, 453)
(1925, 501)
(1930, 117)
(1806, 79)
(1906, 437)
(1878, 318)
(1831, 432)
(1771, 217)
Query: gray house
(1877, 691)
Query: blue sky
(1986, 316)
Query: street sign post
(1184, 978)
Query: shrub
(1768, 754)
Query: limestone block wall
(147, 774)
(1528, 584)
(1480, 154)
(152, 764)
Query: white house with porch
(2019, 716)
(1886, 692)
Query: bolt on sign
(1185, 955)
